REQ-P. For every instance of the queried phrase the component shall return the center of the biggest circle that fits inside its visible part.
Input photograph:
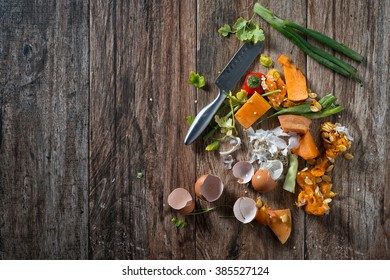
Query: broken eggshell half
(181, 201)
(243, 171)
(229, 145)
(263, 182)
(275, 168)
(209, 187)
(245, 209)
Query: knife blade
(226, 81)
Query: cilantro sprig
(245, 31)
(179, 223)
(226, 124)
(196, 80)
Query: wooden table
(93, 92)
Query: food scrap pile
(274, 154)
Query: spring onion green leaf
(287, 29)
(324, 113)
(326, 41)
(328, 109)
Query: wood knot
(27, 51)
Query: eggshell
(181, 201)
(263, 182)
(209, 187)
(232, 144)
(275, 168)
(243, 171)
(199, 183)
(245, 209)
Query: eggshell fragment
(229, 145)
(181, 201)
(243, 171)
(275, 168)
(209, 187)
(263, 182)
(245, 209)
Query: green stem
(214, 129)
(206, 210)
(317, 54)
(295, 110)
(304, 109)
(324, 113)
(271, 92)
(333, 44)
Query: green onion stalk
(287, 28)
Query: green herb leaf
(225, 30)
(179, 223)
(140, 175)
(242, 35)
(258, 35)
(196, 80)
(225, 122)
(190, 119)
(245, 30)
(213, 146)
(240, 23)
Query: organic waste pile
(274, 154)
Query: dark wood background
(92, 92)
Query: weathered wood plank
(141, 53)
(226, 238)
(358, 226)
(102, 127)
(142, 109)
(43, 129)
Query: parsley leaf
(258, 35)
(240, 23)
(179, 223)
(225, 30)
(226, 124)
(196, 80)
(245, 30)
(190, 119)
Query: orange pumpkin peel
(316, 188)
(279, 221)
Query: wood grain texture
(358, 226)
(94, 92)
(44, 128)
(226, 238)
(138, 108)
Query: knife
(226, 81)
